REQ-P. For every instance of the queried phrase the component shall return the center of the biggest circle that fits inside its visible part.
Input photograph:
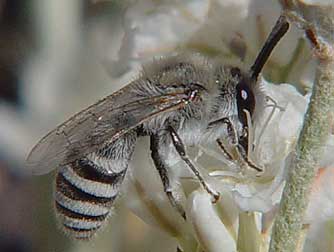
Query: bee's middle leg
(181, 150)
(155, 143)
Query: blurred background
(52, 64)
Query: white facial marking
(244, 94)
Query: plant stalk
(288, 224)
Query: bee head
(246, 82)
(237, 93)
(236, 102)
(245, 104)
(244, 95)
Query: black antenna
(280, 28)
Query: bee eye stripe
(244, 94)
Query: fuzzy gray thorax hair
(225, 83)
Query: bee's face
(236, 91)
(245, 97)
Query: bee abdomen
(84, 196)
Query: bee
(176, 102)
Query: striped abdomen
(87, 188)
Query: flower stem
(288, 224)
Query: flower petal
(210, 231)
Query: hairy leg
(155, 144)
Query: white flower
(274, 139)
(212, 234)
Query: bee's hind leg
(155, 143)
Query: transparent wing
(103, 122)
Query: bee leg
(231, 132)
(180, 148)
(226, 153)
(162, 169)
(236, 142)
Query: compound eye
(245, 101)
